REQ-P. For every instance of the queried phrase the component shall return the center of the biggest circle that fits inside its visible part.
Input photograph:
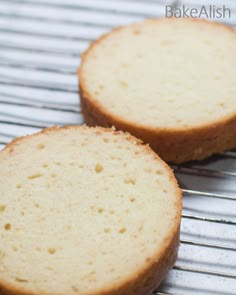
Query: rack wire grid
(40, 46)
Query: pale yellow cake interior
(81, 210)
(164, 73)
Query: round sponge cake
(85, 211)
(170, 82)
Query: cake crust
(146, 279)
(174, 145)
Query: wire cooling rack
(40, 46)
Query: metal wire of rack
(40, 46)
